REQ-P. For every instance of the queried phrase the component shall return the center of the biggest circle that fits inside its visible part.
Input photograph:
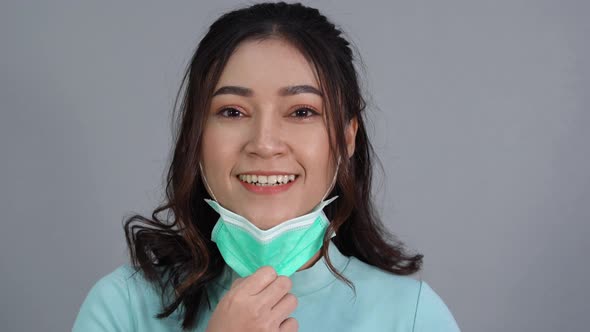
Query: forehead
(266, 65)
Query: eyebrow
(285, 91)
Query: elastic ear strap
(206, 184)
(333, 180)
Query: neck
(311, 262)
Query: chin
(267, 223)
(262, 219)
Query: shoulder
(117, 278)
(413, 299)
(115, 285)
(368, 278)
(432, 314)
(107, 306)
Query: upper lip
(267, 173)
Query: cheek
(219, 153)
(312, 149)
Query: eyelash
(300, 107)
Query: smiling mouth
(268, 181)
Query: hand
(260, 302)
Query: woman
(271, 125)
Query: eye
(230, 112)
(304, 112)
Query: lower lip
(267, 190)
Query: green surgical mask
(286, 247)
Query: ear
(350, 134)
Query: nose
(266, 140)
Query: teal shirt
(123, 301)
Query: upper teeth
(269, 180)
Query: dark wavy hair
(176, 252)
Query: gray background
(479, 113)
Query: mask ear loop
(207, 184)
(333, 180)
(331, 186)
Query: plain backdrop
(479, 111)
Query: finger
(236, 283)
(289, 325)
(285, 306)
(259, 280)
(274, 292)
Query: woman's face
(267, 126)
